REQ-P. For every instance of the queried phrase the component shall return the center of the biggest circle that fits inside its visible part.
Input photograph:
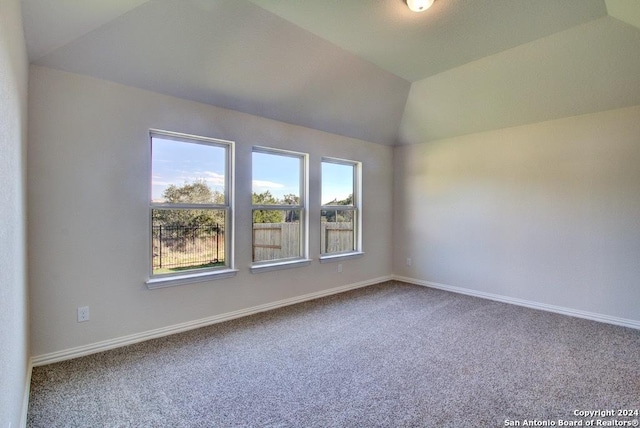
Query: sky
(337, 181)
(278, 174)
(179, 163)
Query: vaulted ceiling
(368, 69)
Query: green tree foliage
(346, 201)
(331, 216)
(197, 192)
(291, 199)
(264, 198)
(291, 216)
(272, 216)
(266, 216)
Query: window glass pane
(337, 184)
(339, 215)
(276, 234)
(337, 231)
(184, 172)
(184, 239)
(276, 179)
(189, 170)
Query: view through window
(189, 207)
(278, 204)
(340, 215)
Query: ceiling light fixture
(419, 5)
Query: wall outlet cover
(83, 313)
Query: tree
(266, 216)
(291, 216)
(197, 192)
(331, 216)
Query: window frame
(200, 274)
(355, 209)
(303, 258)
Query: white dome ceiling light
(419, 5)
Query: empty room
(296, 213)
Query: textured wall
(88, 177)
(548, 212)
(13, 286)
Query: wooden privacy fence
(273, 241)
(336, 237)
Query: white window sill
(339, 257)
(189, 278)
(268, 267)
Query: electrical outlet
(83, 313)
(408, 261)
(339, 267)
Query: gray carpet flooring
(389, 355)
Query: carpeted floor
(390, 355)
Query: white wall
(88, 180)
(588, 68)
(548, 213)
(14, 351)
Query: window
(190, 206)
(340, 216)
(278, 208)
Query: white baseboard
(80, 351)
(26, 391)
(105, 345)
(635, 324)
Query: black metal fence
(176, 247)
